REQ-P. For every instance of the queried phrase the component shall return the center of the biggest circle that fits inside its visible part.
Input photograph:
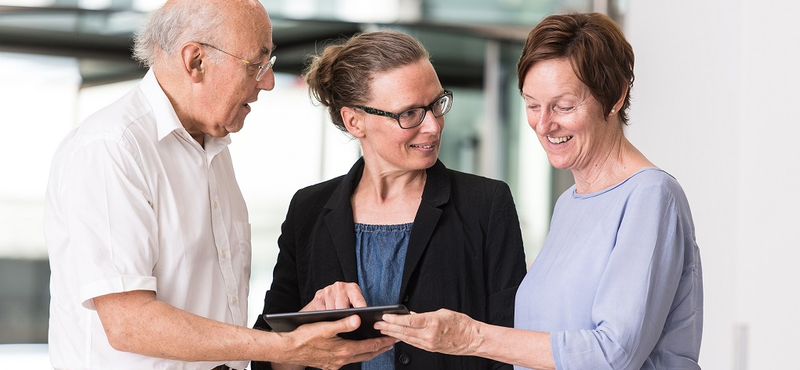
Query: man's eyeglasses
(413, 117)
(262, 69)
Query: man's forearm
(139, 323)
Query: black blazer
(465, 253)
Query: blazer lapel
(339, 221)
(435, 194)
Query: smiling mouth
(558, 140)
(423, 146)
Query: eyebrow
(420, 106)
(267, 51)
(555, 98)
(264, 51)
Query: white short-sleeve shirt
(134, 203)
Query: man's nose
(267, 82)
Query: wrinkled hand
(335, 296)
(441, 331)
(319, 346)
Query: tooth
(558, 140)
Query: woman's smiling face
(567, 119)
(382, 139)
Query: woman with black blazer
(399, 227)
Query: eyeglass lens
(414, 116)
(262, 70)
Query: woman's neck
(388, 197)
(619, 163)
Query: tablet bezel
(285, 322)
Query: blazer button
(405, 299)
(404, 359)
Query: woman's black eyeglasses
(413, 117)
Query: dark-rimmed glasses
(262, 69)
(413, 117)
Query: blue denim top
(380, 256)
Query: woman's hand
(441, 331)
(335, 296)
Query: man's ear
(353, 121)
(193, 58)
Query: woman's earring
(613, 110)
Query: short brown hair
(341, 75)
(601, 56)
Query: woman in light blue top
(618, 282)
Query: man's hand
(138, 322)
(318, 345)
(335, 296)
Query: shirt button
(224, 254)
(234, 300)
(404, 359)
(216, 204)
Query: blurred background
(714, 104)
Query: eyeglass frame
(262, 69)
(396, 116)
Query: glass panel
(505, 12)
(38, 95)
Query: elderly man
(147, 231)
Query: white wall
(715, 103)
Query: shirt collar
(166, 119)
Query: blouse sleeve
(636, 290)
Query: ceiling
(101, 41)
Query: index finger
(356, 298)
(404, 320)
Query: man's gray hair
(174, 24)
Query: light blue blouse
(380, 256)
(618, 282)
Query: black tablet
(283, 322)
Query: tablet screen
(283, 322)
